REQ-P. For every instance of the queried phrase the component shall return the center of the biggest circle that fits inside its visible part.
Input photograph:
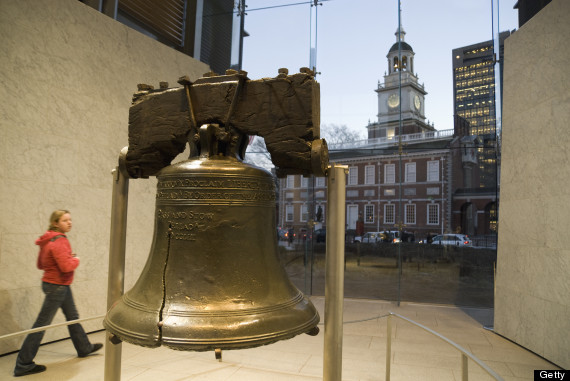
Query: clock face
(393, 100)
(417, 102)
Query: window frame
(389, 173)
(428, 211)
(290, 182)
(353, 175)
(432, 175)
(386, 214)
(410, 218)
(370, 174)
(304, 213)
(289, 210)
(368, 212)
(410, 176)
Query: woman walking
(58, 262)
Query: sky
(353, 39)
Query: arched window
(396, 66)
(404, 62)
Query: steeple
(401, 32)
(400, 95)
(406, 51)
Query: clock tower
(390, 99)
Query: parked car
(372, 237)
(452, 239)
(290, 235)
(282, 234)
(393, 236)
(321, 235)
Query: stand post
(334, 272)
(116, 279)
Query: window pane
(353, 176)
(433, 171)
(304, 213)
(410, 172)
(433, 214)
(290, 181)
(410, 212)
(389, 215)
(369, 213)
(289, 213)
(369, 175)
(389, 173)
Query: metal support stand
(116, 280)
(334, 272)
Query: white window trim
(373, 214)
(369, 174)
(410, 176)
(292, 209)
(304, 213)
(433, 175)
(391, 173)
(406, 221)
(393, 207)
(290, 181)
(438, 216)
(353, 176)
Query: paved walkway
(416, 354)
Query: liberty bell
(213, 279)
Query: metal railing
(465, 354)
(379, 142)
(46, 327)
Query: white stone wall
(532, 303)
(67, 75)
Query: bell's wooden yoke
(284, 110)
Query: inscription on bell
(216, 183)
(184, 236)
(220, 195)
(216, 188)
(190, 215)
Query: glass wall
(429, 238)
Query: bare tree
(257, 154)
(335, 134)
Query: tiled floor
(416, 354)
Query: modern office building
(474, 100)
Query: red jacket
(56, 258)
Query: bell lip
(162, 337)
(241, 342)
(149, 341)
(153, 341)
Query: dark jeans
(56, 296)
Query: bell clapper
(114, 339)
(313, 331)
(218, 353)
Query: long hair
(54, 219)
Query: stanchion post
(334, 272)
(388, 346)
(117, 245)
(464, 368)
